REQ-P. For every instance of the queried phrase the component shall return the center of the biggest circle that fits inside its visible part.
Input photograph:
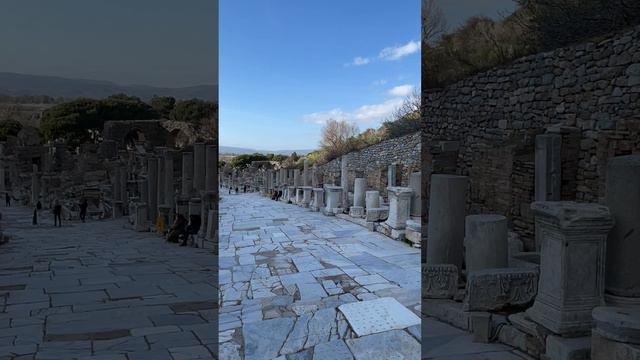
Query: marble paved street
(102, 291)
(285, 272)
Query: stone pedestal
(318, 199)
(622, 281)
(485, 242)
(445, 240)
(199, 167)
(141, 218)
(299, 195)
(117, 209)
(291, 193)
(334, 194)
(372, 199)
(494, 289)
(416, 200)
(306, 195)
(187, 173)
(399, 206)
(571, 264)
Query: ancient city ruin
(532, 187)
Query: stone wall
(587, 93)
(372, 163)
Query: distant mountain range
(22, 84)
(230, 150)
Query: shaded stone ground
(285, 270)
(444, 342)
(102, 291)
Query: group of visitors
(276, 195)
(57, 211)
(182, 230)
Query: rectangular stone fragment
(379, 315)
(439, 281)
(493, 289)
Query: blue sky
(288, 65)
(150, 42)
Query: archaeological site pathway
(99, 290)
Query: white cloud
(402, 90)
(360, 61)
(365, 114)
(398, 52)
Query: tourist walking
(7, 199)
(83, 209)
(57, 214)
(34, 221)
(192, 228)
(39, 205)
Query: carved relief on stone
(439, 281)
(493, 289)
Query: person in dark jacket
(35, 216)
(57, 214)
(178, 228)
(83, 209)
(192, 228)
(7, 199)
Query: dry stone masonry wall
(589, 94)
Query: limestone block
(439, 281)
(494, 289)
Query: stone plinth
(117, 209)
(377, 214)
(299, 195)
(306, 195)
(372, 199)
(486, 244)
(291, 193)
(318, 199)
(445, 239)
(399, 206)
(334, 194)
(416, 200)
(571, 266)
(494, 289)
(622, 282)
(141, 221)
(620, 324)
(439, 281)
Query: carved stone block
(493, 289)
(439, 281)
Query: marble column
(152, 186)
(169, 192)
(334, 196)
(199, 167)
(314, 176)
(399, 206)
(623, 245)
(307, 174)
(416, 199)
(3, 186)
(161, 179)
(391, 175)
(210, 172)
(571, 264)
(548, 167)
(445, 239)
(344, 182)
(116, 185)
(35, 185)
(296, 178)
(187, 174)
(485, 242)
(359, 189)
(124, 195)
(141, 218)
(306, 195)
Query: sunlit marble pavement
(285, 270)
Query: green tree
(194, 111)
(245, 160)
(163, 105)
(9, 127)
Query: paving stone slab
(379, 315)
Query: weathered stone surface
(485, 242)
(572, 264)
(603, 348)
(493, 289)
(399, 207)
(332, 350)
(264, 339)
(618, 323)
(396, 344)
(439, 281)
